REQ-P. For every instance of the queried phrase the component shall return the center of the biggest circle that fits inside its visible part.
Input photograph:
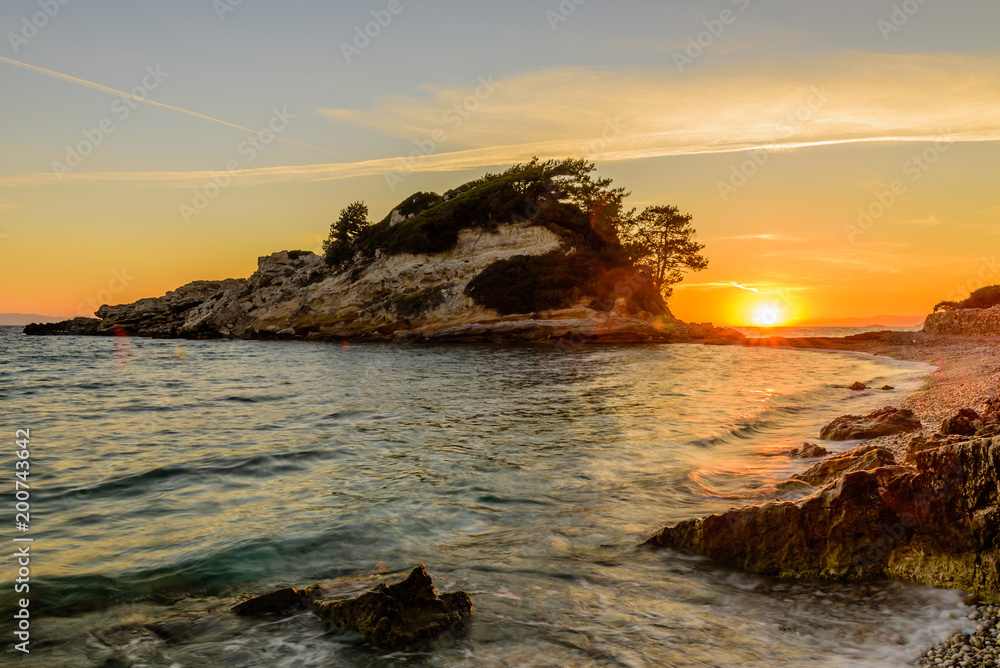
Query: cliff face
(975, 321)
(419, 296)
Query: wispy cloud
(929, 221)
(558, 113)
(144, 100)
(768, 237)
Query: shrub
(987, 297)
(419, 303)
(296, 254)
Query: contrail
(106, 89)
(743, 287)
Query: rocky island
(538, 252)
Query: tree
(353, 220)
(661, 241)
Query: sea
(168, 478)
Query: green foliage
(661, 241)
(560, 195)
(530, 283)
(344, 233)
(987, 297)
(419, 303)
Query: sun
(767, 316)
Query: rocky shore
(918, 500)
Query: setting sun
(767, 316)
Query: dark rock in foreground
(859, 386)
(74, 327)
(937, 523)
(883, 422)
(399, 615)
(275, 602)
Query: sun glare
(767, 316)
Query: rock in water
(399, 615)
(276, 602)
(865, 458)
(883, 422)
(936, 524)
(857, 387)
(809, 451)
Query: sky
(839, 159)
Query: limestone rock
(399, 615)
(969, 321)
(883, 422)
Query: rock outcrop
(402, 296)
(974, 321)
(883, 422)
(399, 615)
(936, 523)
(74, 327)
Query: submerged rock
(857, 387)
(275, 602)
(399, 615)
(883, 422)
(937, 523)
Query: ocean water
(168, 478)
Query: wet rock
(809, 451)
(888, 387)
(883, 422)
(964, 423)
(865, 458)
(857, 387)
(399, 615)
(74, 327)
(920, 443)
(937, 523)
(275, 602)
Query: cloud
(768, 237)
(929, 221)
(145, 100)
(614, 115)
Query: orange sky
(834, 180)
